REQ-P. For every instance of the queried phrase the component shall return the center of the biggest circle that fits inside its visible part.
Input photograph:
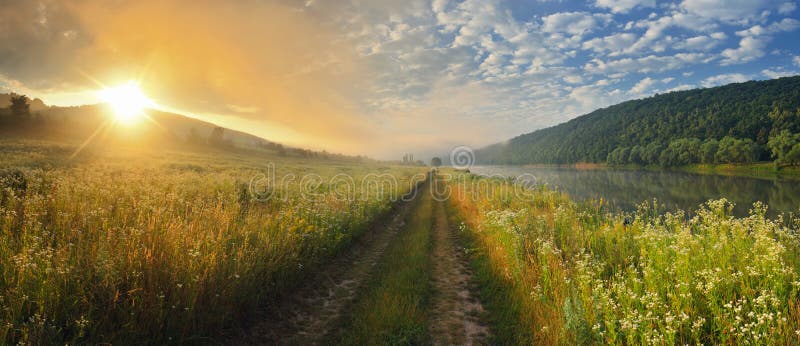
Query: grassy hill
(752, 111)
(159, 130)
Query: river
(625, 189)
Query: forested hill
(731, 123)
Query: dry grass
(156, 248)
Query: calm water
(624, 189)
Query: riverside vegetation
(553, 271)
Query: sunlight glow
(127, 100)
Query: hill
(668, 129)
(159, 130)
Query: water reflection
(625, 189)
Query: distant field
(120, 245)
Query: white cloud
(796, 60)
(787, 7)
(647, 64)
(723, 79)
(614, 44)
(778, 73)
(642, 86)
(700, 43)
(750, 48)
(623, 6)
(575, 23)
(681, 87)
(787, 24)
(655, 39)
(739, 11)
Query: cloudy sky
(385, 77)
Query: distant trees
(686, 151)
(734, 150)
(681, 152)
(708, 151)
(785, 148)
(750, 113)
(436, 162)
(20, 107)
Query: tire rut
(455, 311)
(308, 315)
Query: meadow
(553, 271)
(124, 246)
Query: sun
(127, 100)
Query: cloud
(730, 10)
(642, 86)
(778, 73)
(623, 6)
(575, 23)
(723, 79)
(796, 60)
(750, 48)
(787, 8)
(647, 64)
(786, 24)
(361, 76)
(701, 43)
(613, 44)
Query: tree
(635, 155)
(781, 144)
(793, 156)
(436, 162)
(708, 151)
(652, 152)
(733, 150)
(681, 152)
(20, 107)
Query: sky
(387, 77)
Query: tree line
(735, 123)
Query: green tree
(781, 144)
(793, 156)
(436, 162)
(636, 155)
(734, 150)
(681, 152)
(708, 151)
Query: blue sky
(510, 67)
(387, 77)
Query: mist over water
(625, 189)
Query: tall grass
(162, 248)
(557, 272)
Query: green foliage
(681, 152)
(733, 150)
(708, 151)
(436, 162)
(782, 144)
(753, 111)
